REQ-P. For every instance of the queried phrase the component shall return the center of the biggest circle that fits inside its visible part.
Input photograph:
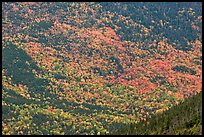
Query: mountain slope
(88, 68)
(182, 119)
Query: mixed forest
(99, 68)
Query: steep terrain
(91, 68)
(182, 119)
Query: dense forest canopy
(93, 67)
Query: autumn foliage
(78, 68)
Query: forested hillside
(182, 119)
(94, 67)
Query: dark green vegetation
(182, 119)
(150, 14)
(90, 68)
(184, 69)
